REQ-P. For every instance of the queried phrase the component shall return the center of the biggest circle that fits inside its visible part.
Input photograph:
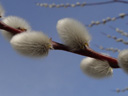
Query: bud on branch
(57, 46)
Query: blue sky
(59, 73)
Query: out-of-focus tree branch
(78, 4)
(108, 19)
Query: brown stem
(102, 22)
(107, 2)
(57, 46)
(87, 52)
(9, 29)
(100, 3)
(122, 1)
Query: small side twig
(108, 19)
(120, 31)
(117, 39)
(78, 4)
(108, 49)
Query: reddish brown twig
(9, 29)
(87, 52)
(57, 46)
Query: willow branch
(107, 2)
(87, 52)
(104, 21)
(108, 49)
(78, 4)
(122, 1)
(8, 28)
(100, 3)
(57, 46)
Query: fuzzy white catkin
(32, 44)
(123, 60)
(73, 33)
(15, 22)
(96, 68)
(2, 12)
